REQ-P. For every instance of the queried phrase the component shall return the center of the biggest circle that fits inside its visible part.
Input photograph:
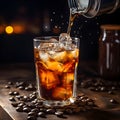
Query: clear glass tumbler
(56, 69)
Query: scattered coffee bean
(19, 109)
(50, 111)
(19, 97)
(7, 86)
(18, 84)
(36, 110)
(24, 98)
(14, 104)
(10, 83)
(42, 114)
(32, 114)
(21, 87)
(113, 88)
(31, 105)
(11, 93)
(59, 113)
(31, 118)
(16, 93)
(113, 101)
(26, 109)
(42, 110)
(12, 99)
(102, 89)
(21, 104)
(110, 92)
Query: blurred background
(22, 20)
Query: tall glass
(56, 69)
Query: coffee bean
(12, 99)
(18, 84)
(36, 110)
(11, 93)
(16, 93)
(110, 92)
(50, 111)
(113, 88)
(31, 118)
(19, 109)
(21, 87)
(102, 89)
(26, 88)
(26, 109)
(21, 104)
(32, 97)
(14, 104)
(59, 113)
(31, 105)
(10, 83)
(31, 87)
(113, 101)
(42, 110)
(42, 114)
(7, 86)
(32, 114)
(24, 98)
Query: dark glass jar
(109, 51)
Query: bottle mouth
(93, 8)
(78, 6)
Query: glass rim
(46, 38)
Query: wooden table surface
(25, 71)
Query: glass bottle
(109, 51)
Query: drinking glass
(56, 69)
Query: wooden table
(25, 71)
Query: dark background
(46, 17)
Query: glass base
(55, 103)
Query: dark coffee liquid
(109, 52)
(71, 21)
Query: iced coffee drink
(56, 61)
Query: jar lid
(110, 27)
